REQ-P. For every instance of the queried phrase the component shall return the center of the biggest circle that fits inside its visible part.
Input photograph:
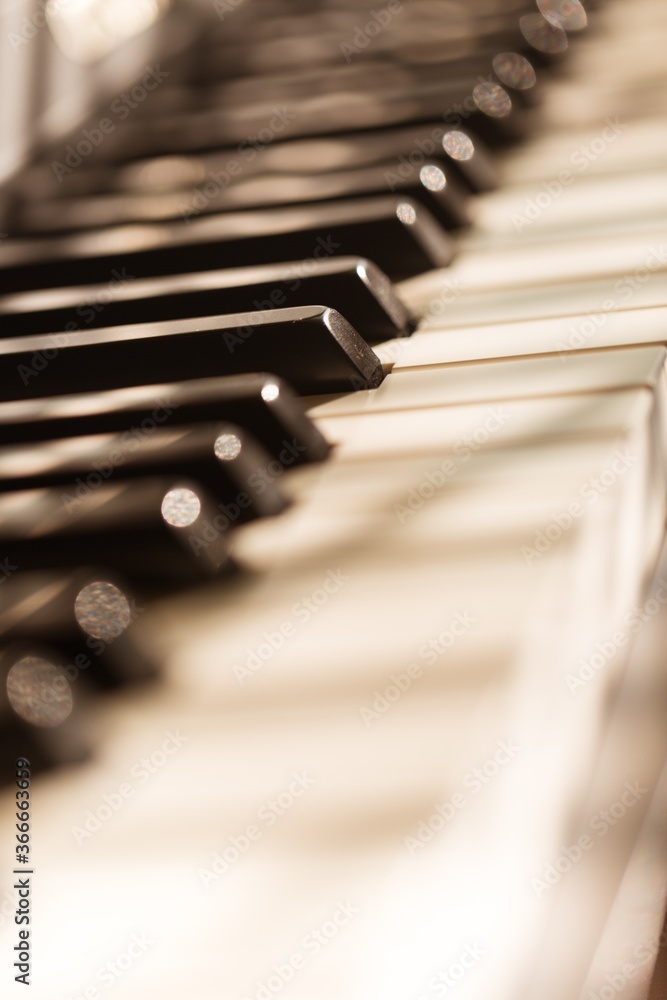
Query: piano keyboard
(407, 738)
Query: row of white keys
(561, 336)
(572, 288)
(301, 711)
(373, 786)
(351, 646)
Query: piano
(333, 463)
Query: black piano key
(157, 533)
(267, 43)
(444, 198)
(411, 66)
(88, 614)
(406, 148)
(400, 236)
(466, 158)
(261, 52)
(399, 103)
(237, 472)
(263, 405)
(44, 719)
(354, 287)
(314, 346)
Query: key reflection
(406, 214)
(514, 70)
(102, 610)
(458, 145)
(227, 447)
(492, 100)
(566, 14)
(541, 35)
(432, 178)
(39, 692)
(270, 391)
(181, 508)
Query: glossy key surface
(313, 346)
(355, 287)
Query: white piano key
(563, 336)
(642, 145)
(588, 371)
(353, 782)
(570, 200)
(450, 491)
(489, 425)
(568, 299)
(523, 265)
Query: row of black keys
(148, 504)
(147, 482)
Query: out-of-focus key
(223, 458)
(43, 719)
(400, 236)
(155, 532)
(88, 614)
(443, 197)
(463, 154)
(263, 405)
